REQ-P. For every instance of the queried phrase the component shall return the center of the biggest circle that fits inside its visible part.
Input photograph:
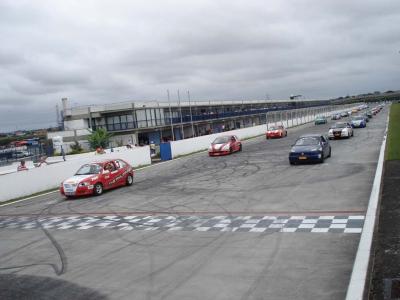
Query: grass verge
(393, 139)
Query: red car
(225, 145)
(94, 178)
(276, 132)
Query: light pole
(170, 116)
(180, 112)
(191, 116)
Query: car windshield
(305, 141)
(339, 125)
(273, 128)
(221, 140)
(320, 118)
(89, 169)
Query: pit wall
(35, 180)
(289, 119)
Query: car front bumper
(79, 191)
(306, 157)
(218, 153)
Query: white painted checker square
(356, 217)
(306, 226)
(297, 217)
(326, 217)
(353, 230)
(84, 227)
(258, 229)
(288, 229)
(320, 230)
(202, 228)
(337, 226)
(310, 221)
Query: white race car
(340, 130)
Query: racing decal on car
(118, 177)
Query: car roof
(102, 161)
(310, 135)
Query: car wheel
(230, 150)
(286, 133)
(292, 162)
(98, 189)
(322, 158)
(330, 152)
(129, 180)
(240, 147)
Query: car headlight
(226, 147)
(330, 130)
(316, 149)
(292, 151)
(84, 184)
(210, 148)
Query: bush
(76, 148)
(99, 138)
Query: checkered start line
(315, 224)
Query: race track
(244, 226)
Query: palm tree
(99, 138)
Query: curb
(355, 290)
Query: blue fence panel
(165, 151)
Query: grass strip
(393, 139)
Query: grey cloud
(96, 52)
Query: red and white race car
(276, 132)
(225, 145)
(94, 178)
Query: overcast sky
(113, 51)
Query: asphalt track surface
(96, 262)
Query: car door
(350, 129)
(121, 174)
(325, 146)
(110, 174)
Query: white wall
(50, 176)
(187, 146)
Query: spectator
(63, 153)
(99, 150)
(22, 166)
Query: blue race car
(358, 122)
(310, 148)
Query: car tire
(240, 147)
(98, 189)
(330, 152)
(129, 180)
(322, 158)
(230, 150)
(292, 162)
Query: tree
(99, 138)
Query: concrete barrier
(50, 176)
(187, 146)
